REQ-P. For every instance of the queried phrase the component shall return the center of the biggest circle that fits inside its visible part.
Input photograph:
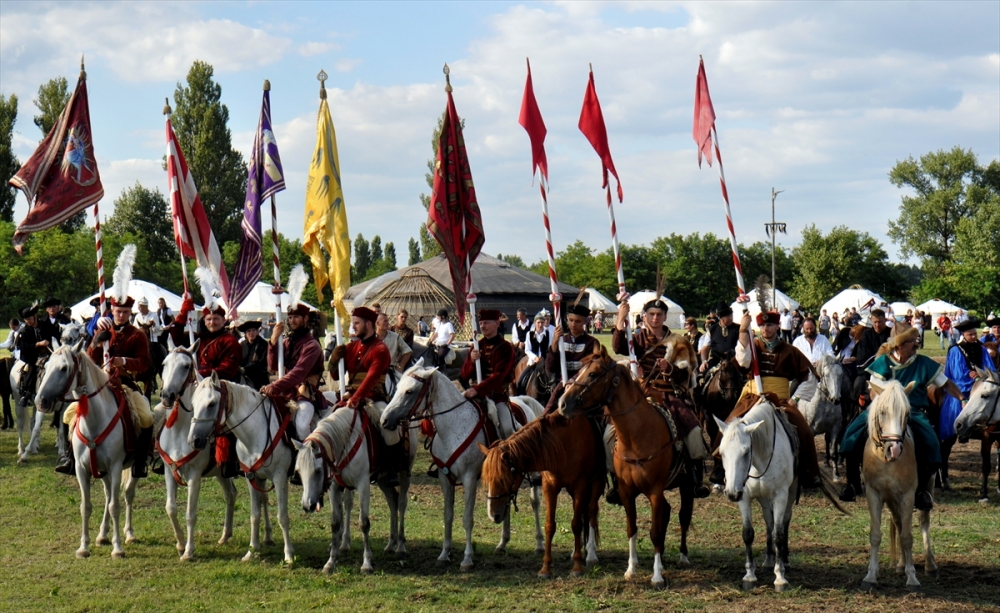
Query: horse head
(830, 372)
(888, 416)
(983, 406)
(502, 477)
(309, 465)
(178, 372)
(70, 334)
(736, 450)
(207, 409)
(62, 376)
(410, 389)
(593, 386)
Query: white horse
(337, 454)
(182, 463)
(98, 440)
(979, 414)
(70, 335)
(890, 472)
(425, 393)
(823, 410)
(758, 456)
(220, 407)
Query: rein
(774, 442)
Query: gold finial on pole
(322, 77)
(267, 85)
(447, 78)
(166, 106)
(83, 72)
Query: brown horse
(5, 391)
(718, 397)
(647, 455)
(532, 380)
(569, 452)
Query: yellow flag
(326, 215)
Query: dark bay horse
(532, 381)
(647, 455)
(570, 454)
(717, 398)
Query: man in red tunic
(129, 351)
(367, 361)
(303, 356)
(218, 351)
(498, 360)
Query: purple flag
(264, 179)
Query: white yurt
(855, 297)
(675, 314)
(784, 301)
(600, 302)
(899, 309)
(137, 289)
(259, 303)
(937, 307)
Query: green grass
(829, 556)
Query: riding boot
(696, 471)
(231, 467)
(141, 454)
(67, 463)
(718, 476)
(613, 497)
(432, 471)
(922, 500)
(852, 466)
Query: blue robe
(957, 369)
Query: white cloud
(316, 48)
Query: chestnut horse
(647, 455)
(570, 454)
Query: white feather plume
(296, 285)
(123, 273)
(209, 284)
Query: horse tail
(827, 487)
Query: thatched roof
(416, 291)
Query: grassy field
(39, 515)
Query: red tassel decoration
(172, 418)
(82, 407)
(221, 450)
(427, 428)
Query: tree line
(949, 219)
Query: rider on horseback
(722, 340)
(29, 346)
(666, 382)
(303, 356)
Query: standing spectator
(11, 343)
(917, 321)
(404, 331)
(691, 331)
(824, 324)
(785, 325)
(598, 322)
(943, 329)
(796, 324)
(442, 336)
(855, 317)
(834, 325)
(521, 329)
(908, 318)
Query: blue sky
(817, 99)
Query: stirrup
(923, 501)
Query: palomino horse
(220, 407)
(98, 440)
(454, 423)
(823, 411)
(182, 463)
(890, 472)
(569, 452)
(759, 458)
(336, 456)
(647, 455)
(981, 415)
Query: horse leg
(265, 502)
(281, 490)
(985, 452)
(391, 501)
(347, 498)
(449, 517)
(579, 526)
(23, 428)
(171, 508)
(687, 511)
(750, 578)
(130, 485)
(113, 485)
(336, 525)
(471, 485)
(767, 511)
(194, 491)
(551, 493)
(255, 508)
(657, 535)
(595, 491)
(102, 533)
(504, 534)
(402, 501)
(782, 516)
(536, 503)
(85, 510)
(870, 582)
(36, 433)
(902, 518)
(364, 497)
(930, 564)
(631, 529)
(229, 493)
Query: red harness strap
(92, 445)
(175, 466)
(517, 413)
(264, 457)
(445, 466)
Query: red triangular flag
(592, 126)
(704, 116)
(531, 121)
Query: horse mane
(336, 428)
(529, 445)
(758, 411)
(891, 405)
(93, 372)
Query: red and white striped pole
(99, 246)
(622, 294)
(555, 297)
(754, 365)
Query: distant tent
(600, 302)
(414, 290)
(784, 301)
(854, 297)
(137, 289)
(675, 314)
(899, 309)
(259, 304)
(939, 307)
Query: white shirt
(541, 337)
(442, 332)
(10, 345)
(149, 319)
(785, 321)
(396, 346)
(704, 341)
(821, 346)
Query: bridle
(510, 494)
(774, 442)
(985, 422)
(881, 440)
(612, 384)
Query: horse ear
(875, 388)
(80, 344)
(215, 378)
(298, 446)
(754, 426)
(482, 448)
(720, 423)
(981, 374)
(194, 348)
(909, 387)
(419, 363)
(170, 343)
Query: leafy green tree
(513, 260)
(8, 161)
(698, 270)
(390, 255)
(947, 186)
(829, 263)
(414, 249)
(146, 214)
(55, 263)
(375, 249)
(200, 121)
(52, 98)
(362, 257)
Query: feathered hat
(210, 291)
(123, 278)
(767, 313)
(296, 285)
(579, 309)
(657, 302)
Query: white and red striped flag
(192, 231)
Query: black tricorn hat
(52, 301)
(247, 325)
(28, 311)
(969, 324)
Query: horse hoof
(868, 586)
(914, 588)
(130, 540)
(934, 574)
(659, 585)
(984, 501)
(187, 557)
(442, 563)
(683, 560)
(117, 555)
(402, 554)
(367, 570)
(103, 540)
(466, 567)
(83, 553)
(748, 586)
(248, 557)
(780, 587)
(269, 542)
(501, 549)
(345, 548)
(540, 549)
(543, 575)
(591, 563)
(223, 540)
(328, 569)
(577, 574)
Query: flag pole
(740, 286)
(177, 233)
(277, 269)
(555, 297)
(99, 246)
